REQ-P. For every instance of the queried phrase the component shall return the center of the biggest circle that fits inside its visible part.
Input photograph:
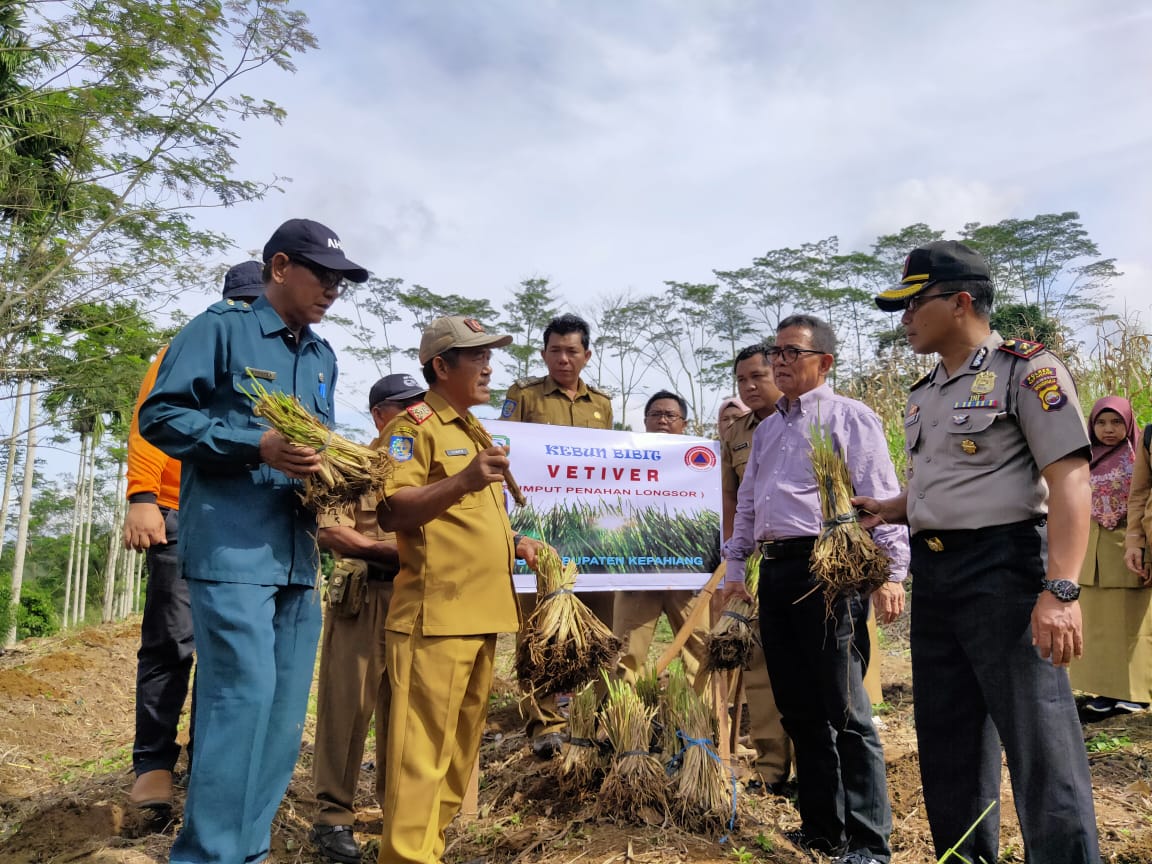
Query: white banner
(634, 510)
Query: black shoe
(336, 843)
(545, 746)
(758, 787)
(801, 840)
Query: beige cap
(456, 331)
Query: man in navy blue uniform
(247, 544)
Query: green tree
(527, 314)
(140, 96)
(1048, 261)
(425, 305)
(376, 308)
(617, 324)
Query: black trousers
(164, 660)
(978, 682)
(816, 663)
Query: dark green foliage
(37, 613)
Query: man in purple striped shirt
(817, 661)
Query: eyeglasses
(789, 355)
(330, 280)
(664, 415)
(914, 303)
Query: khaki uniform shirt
(362, 517)
(735, 448)
(977, 441)
(455, 570)
(541, 400)
(1139, 506)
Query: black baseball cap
(244, 280)
(395, 388)
(940, 261)
(303, 238)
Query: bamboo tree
(21, 548)
(112, 565)
(9, 469)
(74, 542)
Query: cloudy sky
(609, 144)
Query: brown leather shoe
(152, 790)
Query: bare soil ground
(66, 709)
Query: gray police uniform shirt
(977, 441)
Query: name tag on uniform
(459, 451)
(266, 374)
(743, 445)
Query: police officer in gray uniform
(998, 506)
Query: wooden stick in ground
(483, 440)
(703, 601)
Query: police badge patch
(400, 448)
(509, 407)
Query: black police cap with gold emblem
(941, 261)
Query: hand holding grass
(294, 460)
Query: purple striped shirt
(778, 497)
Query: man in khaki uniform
(453, 593)
(353, 682)
(998, 506)
(757, 389)
(636, 613)
(560, 398)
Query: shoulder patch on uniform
(1021, 348)
(1044, 383)
(921, 382)
(400, 447)
(508, 409)
(419, 412)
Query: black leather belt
(786, 549)
(965, 538)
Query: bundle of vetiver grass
(347, 470)
(731, 641)
(845, 555)
(564, 645)
(701, 785)
(636, 787)
(584, 761)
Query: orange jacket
(150, 471)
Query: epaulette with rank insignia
(419, 412)
(593, 388)
(529, 382)
(921, 382)
(221, 306)
(1021, 348)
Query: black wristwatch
(1062, 589)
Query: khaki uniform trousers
(635, 616)
(352, 684)
(542, 715)
(440, 687)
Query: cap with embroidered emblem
(304, 238)
(456, 331)
(395, 388)
(940, 261)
